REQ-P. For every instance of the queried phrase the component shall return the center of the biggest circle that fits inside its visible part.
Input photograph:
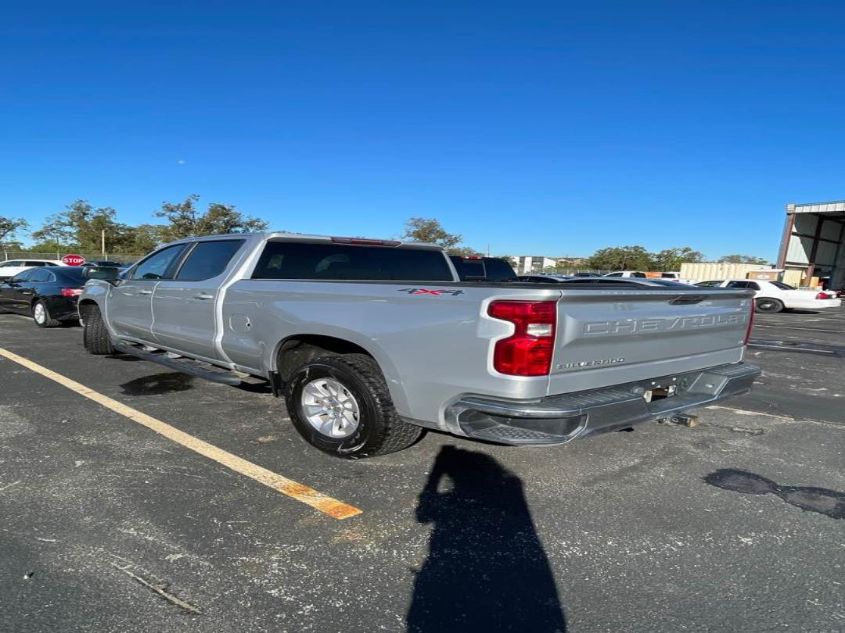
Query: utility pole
(103, 240)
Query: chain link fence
(89, 257)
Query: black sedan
(48, 294)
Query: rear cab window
(498, 269)
(348, 262)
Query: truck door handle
(145, 292)
(203, 295)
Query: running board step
(183, 365)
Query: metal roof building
(813, 242)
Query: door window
(10, 264)
(39, 274)
(24, 276)
(159, 265)
(208, 259)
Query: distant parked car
(48, 294)
(675, 276)
(544, 278)
(628, 274)
(12, 267)
(103, 263)
(483, 268)
(776, 296)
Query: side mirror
(105, 273)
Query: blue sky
(532, 127)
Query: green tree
(672, 258)
(464, 251)
(146, 237)
(81, 227)
(8, 227)
(431, 231)
(743, 259)
(55, 232)
(621, 258)
(225, 218)
(184, 220)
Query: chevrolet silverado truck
(372, 341)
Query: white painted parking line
(300, 492)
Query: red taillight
(71, 292)
(528, 351)
(824, 295)
(750, 322)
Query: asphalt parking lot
(735, 524)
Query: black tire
(379, 430)
(41, 315)
(771, 306)
(95, 336)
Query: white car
(775, 296)
(12, 267)
(676, 276)
(627, 274)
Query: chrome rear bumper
(563, 418)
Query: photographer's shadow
(486, 568)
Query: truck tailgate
(612, 337)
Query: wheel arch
(86, 303)
(294, 350)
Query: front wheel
(41, 315)
(341, 405)
(95, 336)
(769, 305)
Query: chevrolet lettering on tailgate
(632, 326)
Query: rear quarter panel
(431, 346)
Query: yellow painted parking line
(317, 500)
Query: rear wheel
(95, 336)
(766, 304)
(41, 315)
(341, 405)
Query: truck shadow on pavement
(486, 569)
(157, 384)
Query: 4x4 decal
(426, 291)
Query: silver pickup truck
(372, 341)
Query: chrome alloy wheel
(39, 313)
(330, 408)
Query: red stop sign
(73, 260)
